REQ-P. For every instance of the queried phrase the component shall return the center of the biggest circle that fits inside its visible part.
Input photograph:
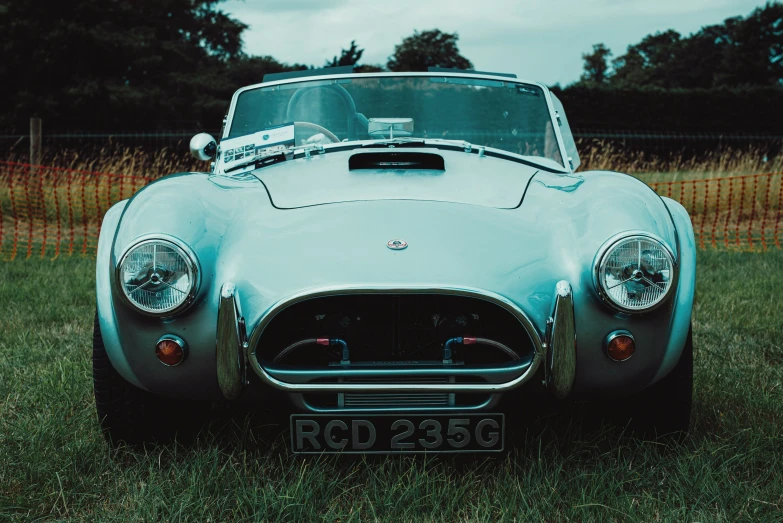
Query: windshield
(510, 116)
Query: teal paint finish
(272, 254)
(484, 224)
(681, 318)
(107, 320)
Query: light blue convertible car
(396, 260)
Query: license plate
(389, 434)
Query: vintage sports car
(399, 261)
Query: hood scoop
(396, 161)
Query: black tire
(663, 410)
(127, 414)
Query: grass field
(54, 463)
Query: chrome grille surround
(348, 387)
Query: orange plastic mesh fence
(732, 212)
(51, 212)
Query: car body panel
(686, 290)
(467, 178)
(499, 227)
(271, 254)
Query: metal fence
(52, 212)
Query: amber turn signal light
(620, 345)
(170, 351)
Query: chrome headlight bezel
(599, 268)
(184, 251)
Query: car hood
(329, 178)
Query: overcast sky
(541, 40)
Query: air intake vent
(386, 400)
(396, 161)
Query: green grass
(54, 463)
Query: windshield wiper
(465, 146)
(396, 142)
(261, 159)
(264, 159)
(421, 142)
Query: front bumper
(556, 349)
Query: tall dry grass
(128, 161)
(608, 156)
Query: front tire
(664, 409)
(127, 414)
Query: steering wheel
(318, 128)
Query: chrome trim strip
(270, 380)
(231, 344)
(490, 374)
(490, 402)
(561, 343)
(599, 261)
(190, 258)
(558, 133)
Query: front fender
(580, 213)
(107, 318)
(198, 209)
(683, 301)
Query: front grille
(387, 329)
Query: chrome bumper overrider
(234, 350)
(231, 344)
(561, 343)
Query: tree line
(95, 64)
(174, 64)
(739, 52)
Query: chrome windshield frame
(325, 78)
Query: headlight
(635, 273)
(158, 276)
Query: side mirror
(203, 147)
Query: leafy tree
(350, 56)
(735, 53)
(753, 49)
(368, 68)
(425, 49)
(248, 70)
(650, 61)
(596, 65)
(112, 60)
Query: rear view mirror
(203, 147)
(390, 127)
